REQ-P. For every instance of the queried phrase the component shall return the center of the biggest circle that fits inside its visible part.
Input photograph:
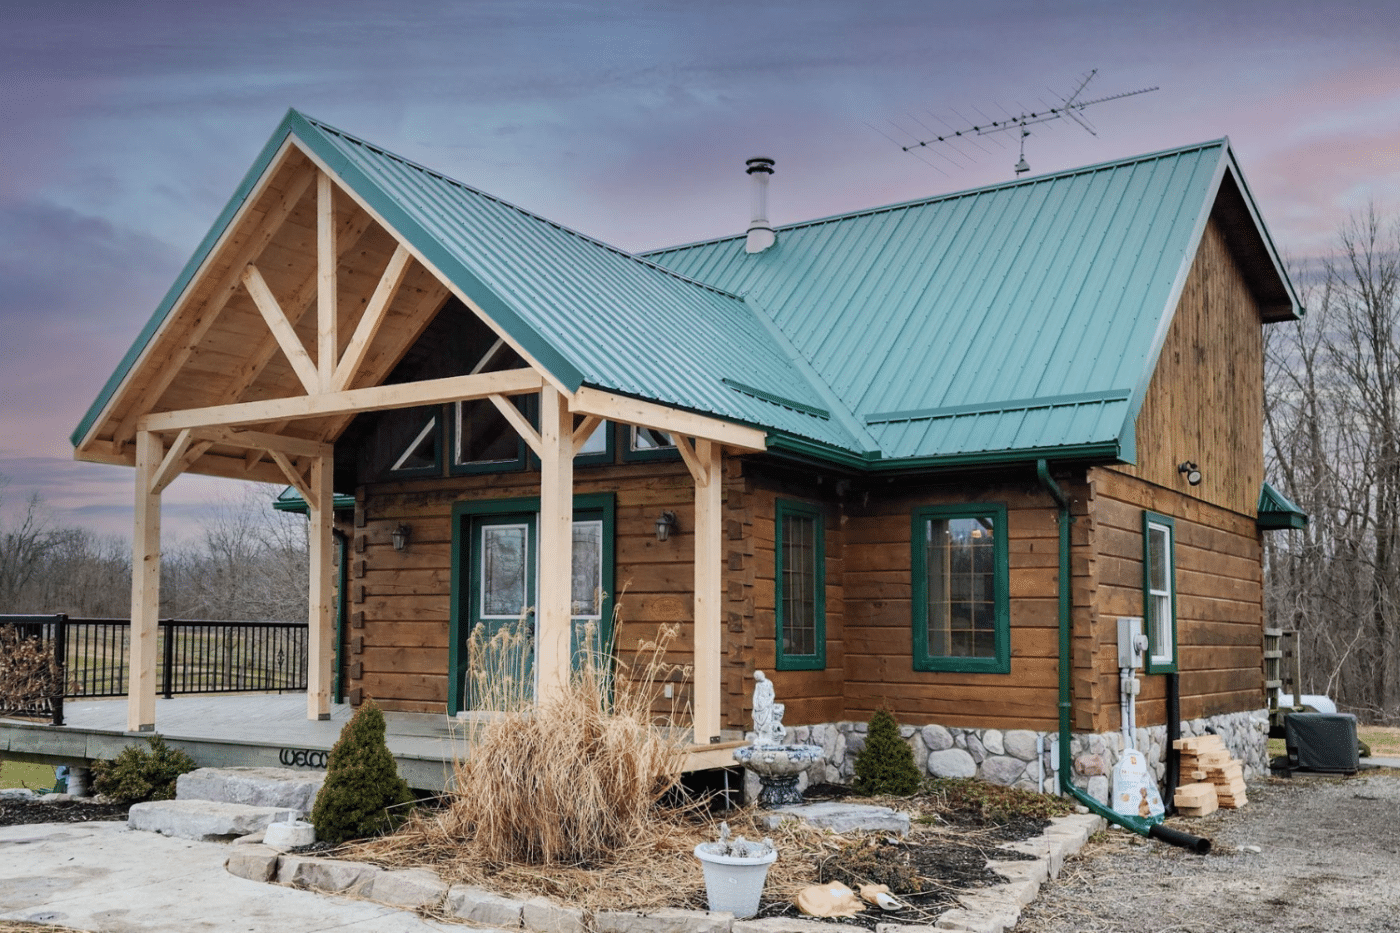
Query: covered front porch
(262, 731)
(289, 323)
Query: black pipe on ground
(1177, 838)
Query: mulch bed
(28, 812)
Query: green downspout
(1138, 825)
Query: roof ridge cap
(418, 166)
(1222, 142)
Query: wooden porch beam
(319, 654)
(584, 431)
(165, 371)
(327, 297)
(375, 313)
(281, 328)
(708, 582)
(522, 425)
(590, 401)
(698, 471)
(349, 402)
(554, 605)
(264, 441)
(299, 482)
(352, 229)
(171, 466)
(145, 588)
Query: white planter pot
(734, 884)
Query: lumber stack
(1196, 799)
(1205, 759)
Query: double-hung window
(1159, 591)
(799, 587)
(962, 619)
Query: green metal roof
(1016, 320)
(1277, 511)
(289, 500)
(1021, 318)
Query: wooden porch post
(319, 652)
(554, 611)
(145, 588)
(708, 486)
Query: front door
(494, 623)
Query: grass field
(21, 774)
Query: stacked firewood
(1213, 779)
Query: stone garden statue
(767, 715)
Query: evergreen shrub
(137, 774)
(363, 794)
(886, 765)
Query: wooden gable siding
(879, 626)
(1205, 402)
(1219, 585)
(400, 601)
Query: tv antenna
(1071, 107)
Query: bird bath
(778, 764)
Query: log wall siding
(1205, 402)
(1219, 586)
(810, 696)
(400, 601)
(878, 632)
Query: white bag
(1135, 789)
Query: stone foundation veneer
(1008, 757)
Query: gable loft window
(1159, 591)
(961, 612)
(799, 548)
(483, 441)
(422, 451)
(648, 444)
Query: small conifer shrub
(137, 774)
(886, 765)
(363, 794)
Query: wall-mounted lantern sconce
(400, 537)
(665, 525)
(1193, 473)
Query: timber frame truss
(243, 381)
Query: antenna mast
(1071, 107)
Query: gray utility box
(1322, 742)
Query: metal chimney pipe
(761, 234)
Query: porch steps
(214, 804)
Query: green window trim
(513, 464)
(1000, 660)
(602, 505)
(599, 457)
(1152, 597)
(815, 660)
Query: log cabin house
(921, 456)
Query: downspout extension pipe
(1135, 824)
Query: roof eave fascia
(453, 273)
(262, 168)
(796, 448)
(1296, 310)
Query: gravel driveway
(1328, 859)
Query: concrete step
(205, 820)
(256, 787)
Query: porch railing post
(60, 665)
(167, 664)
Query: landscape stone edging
(993, 909)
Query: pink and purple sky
(127, 125)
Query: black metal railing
(92, 656)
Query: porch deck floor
(260, 730)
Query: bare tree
(1333, 437)
(25, 543)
